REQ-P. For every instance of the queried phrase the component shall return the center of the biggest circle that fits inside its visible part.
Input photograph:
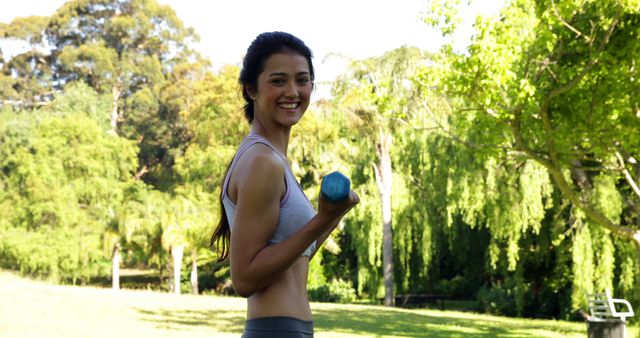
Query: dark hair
(264, 45)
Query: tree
(62, 175)
(552, 83)
(379, 92)
(25, 79)
(217, 126)
(137, 51)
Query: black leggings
(278, 327)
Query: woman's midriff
(286, 296)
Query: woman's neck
(278, 137)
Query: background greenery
(505, 175)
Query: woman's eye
(277, 81)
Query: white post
(115, 268)
(176, 252)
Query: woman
(269, 228)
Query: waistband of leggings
(280, 323)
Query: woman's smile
(289, 106)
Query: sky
(335, 30)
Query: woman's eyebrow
(285, 74)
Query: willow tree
(554, 83)
(379, 92)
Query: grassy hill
(37, 309)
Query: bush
(497, 299)
(336, 291)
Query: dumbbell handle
(335, 187)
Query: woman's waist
(287, 296)
(259, 307)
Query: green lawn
(37, 309)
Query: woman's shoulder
(260, 160)
(259, 176)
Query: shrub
(336, 291)
(497, 299)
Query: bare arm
(260, 186)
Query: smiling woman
(283, 89)
(269, 229)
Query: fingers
(338, 210)
(353, 197)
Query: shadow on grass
(375, 322)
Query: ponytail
(221, 238)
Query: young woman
(269, 229)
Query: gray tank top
(295, 208)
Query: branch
(142, 171)
(573, 29)
(24, 103)
(627, 175)
(453, 137)
(567, 86)
(520, 143)
(544, 107)
(589, 210)
(557, 175)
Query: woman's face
(284, 89)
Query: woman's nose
(291, 89)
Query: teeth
(288, 105)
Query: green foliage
(54, 253)
(542, 101)
(443, 15)
(497, 300)
(137, 52)
(62, 177)
(316, 277)
(29, 28)
(80, 98)
(336, 291)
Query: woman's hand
(336, 211)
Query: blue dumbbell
(335, 187)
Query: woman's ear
(251, 91)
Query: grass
(37, 309)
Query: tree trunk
(194, 271)
(176, 252)
(384, 175)
(115, 267)
(169, 274)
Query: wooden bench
(604, 319)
